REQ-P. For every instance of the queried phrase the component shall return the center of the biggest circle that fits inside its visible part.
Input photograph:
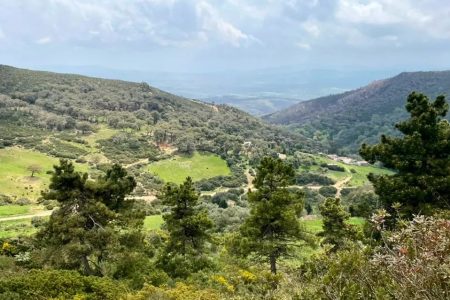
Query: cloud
(231, 31)
(212, 22)
(44, 40)
(311, 27)
(372, 12)
(304, 46)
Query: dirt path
(250, 178)
(141, 161)
(340, 185)
(44, 213)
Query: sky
(186, 36)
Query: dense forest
(139, 194)
(342, 122)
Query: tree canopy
(93, 222)
(421, 157)
(273, 225)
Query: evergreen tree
(188, 226)
(273, 226)
(93, 222)
(335, 231)
(421, 158)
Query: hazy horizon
(206, 49)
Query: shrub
(309, 178)
(328, 191)
(23, 201)
(45, 284)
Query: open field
(16, 180)
(9, 229)
(12, 210)
(198, 166)
(102, 133)
(153, 222)
(357, 179)
(315, 225)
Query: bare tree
(34, 169)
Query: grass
(102, 133)
(15, 179)
(358, 179)
(315, 225)
(12, 210)
(153, 222)
(198, 166)
(9, 229)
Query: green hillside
(344, 121)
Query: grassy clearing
(12, 210)
(358, 179)
(9, 229)
(153, 222)
(15, 179)
(102, 133)
(315, 225)
(198, 166)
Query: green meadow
(357, 179)
(16, 180)
(198, 166)
(153, 222)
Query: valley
(113, 157)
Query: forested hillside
(344, 121)
(48, 102)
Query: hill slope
(343, 121)
(96, 122)
(53, 102)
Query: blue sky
(214, 35)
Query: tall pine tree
(92, 220)
(273, 226)
(420, 156)
(188, 226)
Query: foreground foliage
(94, 223)
(421, 157)
(273, 226)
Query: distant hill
(255, 105)
(342, 122)
(43, 103)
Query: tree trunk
(273, 264)
(87, 270)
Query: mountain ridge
(347, 118)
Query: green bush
(45, 284)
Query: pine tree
(335, 231)
(273, 226)
(93, 217)
(188, 226)
(420, 157)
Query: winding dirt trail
(141, 161)
(250, 179)
(340, 185)
(44, 213)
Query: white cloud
(311, 27)
(2, 34)
(303, 45)
(212, 22)
(371, 12)
(44, 40)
